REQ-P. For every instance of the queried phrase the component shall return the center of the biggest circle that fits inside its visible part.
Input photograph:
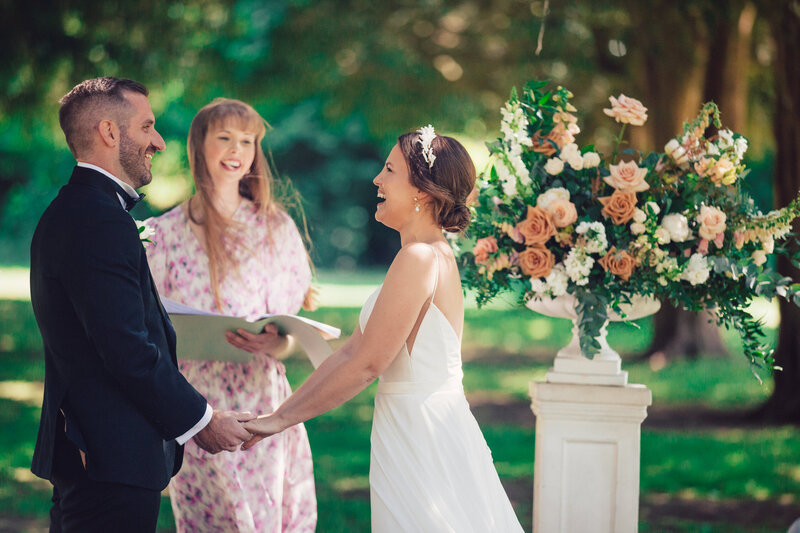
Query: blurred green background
(338, 81)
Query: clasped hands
(228, 430)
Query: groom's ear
(109, 133)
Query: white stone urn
(571, 365)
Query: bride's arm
(364, 357)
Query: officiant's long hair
(257, 185)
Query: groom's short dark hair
(91, 102)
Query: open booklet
(201, 335)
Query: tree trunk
(707, 60)
(784, 404)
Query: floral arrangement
(553, 218)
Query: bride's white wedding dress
(430, 468)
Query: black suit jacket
(110, 364)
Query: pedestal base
(587, 372)
(586, 470)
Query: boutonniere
(145, 232)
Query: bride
(430, 467)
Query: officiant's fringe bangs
(448, 182)
(256, 185)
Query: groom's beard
(133, 161)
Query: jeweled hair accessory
(426, 136)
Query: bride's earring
(416, 204)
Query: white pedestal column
(586, 472)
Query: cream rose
(538, 227)
(563, 212)
(591, 160)
(551, 194)
(619, 207)
(759, 257)
(536, 261)
(712, 222)
(569, 151)
(627, 110)
(554, 166)
(627, 177)
(575, 161)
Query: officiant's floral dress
(269, 488)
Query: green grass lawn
(698, 473)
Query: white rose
(637, 228)
(575, 161)
(662, 281)
(759, 257)
(663, 235)
(554, 166)
(547, 197)
(677, 225)
(591, 160)
(653, 207)
(696, 270)
(569, 151)
(639, 216)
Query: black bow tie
(130, 202)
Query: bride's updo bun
(448, 182)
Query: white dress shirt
(203, 422)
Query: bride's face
(229, 153)
(395, 191)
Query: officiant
(232, 249)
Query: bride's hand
(261, 427)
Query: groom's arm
(102, 278)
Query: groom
(116, 410)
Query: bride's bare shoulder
(413, 261)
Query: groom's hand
(224, 432)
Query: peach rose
(538, 227)
(563, 212)
(620, 263)
(564, 133)
(628, 177)
(482, 249)
(542, 145)
(619, 207)
(536, 261)
(712, 222)
(627, 110)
